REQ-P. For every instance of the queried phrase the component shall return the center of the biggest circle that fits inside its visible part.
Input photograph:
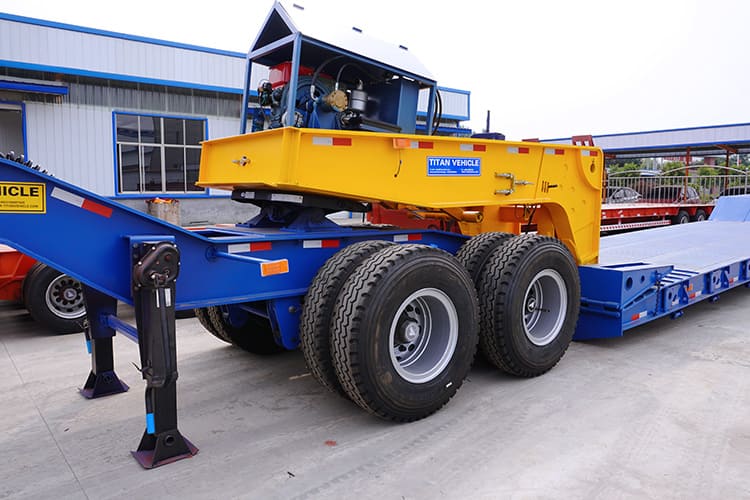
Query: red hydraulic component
(281, 73)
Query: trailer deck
(644, 275)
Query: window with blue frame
(158, 154)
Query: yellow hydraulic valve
(486, 185)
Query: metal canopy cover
(716, 140)
(293, 20)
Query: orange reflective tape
(401, 143)
(274, 267)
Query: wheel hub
(64, 298)
(423, 336)
(545, 307)
(410, 332)
(531, 304)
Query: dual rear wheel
(396, 329)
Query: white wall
(73, 143)
(76, 142)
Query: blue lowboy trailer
(121, 254)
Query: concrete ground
(661, 413)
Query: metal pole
(102, 380)
(155, 269)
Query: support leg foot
(163, 448)
(102, 384)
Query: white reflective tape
(512, 149)
(289, 198)
(467, 147)
(167, 298)
(312, 244)
(400, 238)
(238, 248)
(322, 141)
(67, 197)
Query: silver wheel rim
(64, 298)
(423, 335)
(544, 307)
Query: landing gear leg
(102, 380)
(156, 266)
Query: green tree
(628, 169)
(706, 171)
(673, 168)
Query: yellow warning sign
(23, 197)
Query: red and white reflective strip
(639, 315)
(421, 145)
(695, 294)
(258, 246)
(403, 238)
(474, 147)
(554, 151)
(80, 202)
(732, 279)
(519, 150)
(588, 152)
(331, 141)
(321, 244)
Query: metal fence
(644, 187)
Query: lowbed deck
(645, 275)
(699, 247)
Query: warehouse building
(123, 115)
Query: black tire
(55, 300)
(474, 253)
(530, 268)
(682, 217)
(205, 321)
(381, 313)
(317, 311)
(247, 331)
(700, 215)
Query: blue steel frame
(87, 236)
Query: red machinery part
(13, 268)
(281, 73)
